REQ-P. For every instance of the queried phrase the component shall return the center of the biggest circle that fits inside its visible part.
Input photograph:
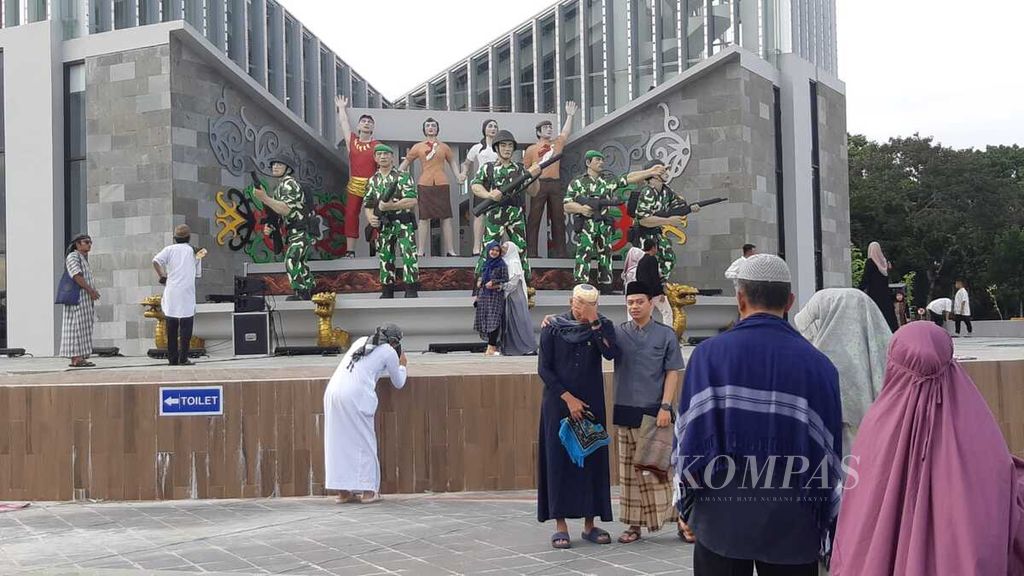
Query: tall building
(741, 97)
(125, 117)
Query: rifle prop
(371, 233)
(684, 208)
(597, 205)
(271, 219)
(513, 190)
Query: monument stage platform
(462, 423)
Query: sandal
(684, 532)
(560, 541)
(82, 364)
(597, 536)
(371, 500)
(629, 536)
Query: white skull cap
(585, 292)
(764, 268)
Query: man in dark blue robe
(569, 363)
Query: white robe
(350, 403)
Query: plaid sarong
(646, 500)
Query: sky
(940, 68)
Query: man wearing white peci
(350, 403)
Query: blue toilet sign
(191, 400)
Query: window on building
(194, 14)
(460, 89)
(643, 44)
(274, 49)
(524, 68)
(668, 38)
(548, 90)
(819, 272)
(372, 99)
(70, 25)
(326, 97)
(169, 10)
(503, 78)
(358, 92)
(309, 69)
(481, 83)
(722, 32)
(696, 42)
(595, 60)
(344, 81)
(12, 13)
(124, 14)
(99, 16)
(439, 95)
(617, 21)
(292, 60)
(149, 11)
(250, 39)
(572, 59)
(75, 191)
(418, 100)
(36, 10)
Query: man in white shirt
(939, 309)
(734, 268)
(961, 307)
(178, 265)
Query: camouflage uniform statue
(297, 217)
(397, 236)
(508, 220)
(592, 193)
(650, 202)
(593, 239)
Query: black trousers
(179, 332)
(939, 319)
(707, 563)
(492, 338)
(957, 318)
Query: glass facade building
(605, 53)
(260, 36)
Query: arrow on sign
(172, 401)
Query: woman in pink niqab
(933, 489)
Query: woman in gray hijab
(847, 326)
(518, 338)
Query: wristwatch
(667, 407)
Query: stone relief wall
(716, 135)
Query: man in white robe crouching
(350, 403)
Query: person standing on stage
(548, 190)
(517, 335)
(593, 239)
(361, 166)
(939, 310)
(435, 200)
(178, 266)
(290, 203)
(655, 196)
(350, 403)
(647, 376)
(77, 320)
(394, 194)
(648, 273)
(569, 364)
(481, 153)
(490, 299)
(503, 220)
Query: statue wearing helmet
(289, 202)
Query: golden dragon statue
(326, 334)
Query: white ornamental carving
(668, 146)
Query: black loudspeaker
(249, 285)
(250, 332)
(250, 304)
(446, 347)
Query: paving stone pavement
(422, 535)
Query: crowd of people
(828, 442)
